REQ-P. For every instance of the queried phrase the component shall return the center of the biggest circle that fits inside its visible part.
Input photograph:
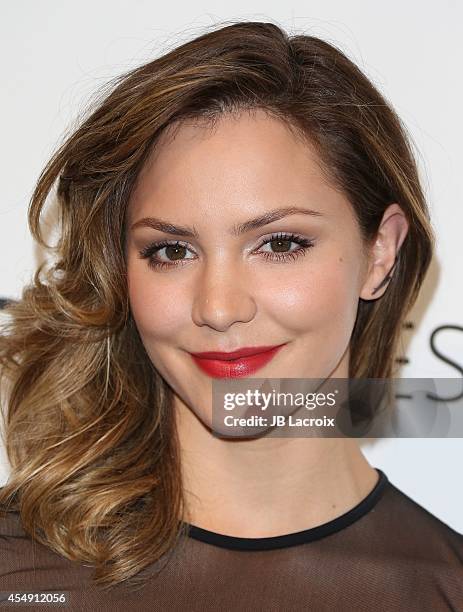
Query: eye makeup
(177, 248)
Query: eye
(281, 247)
(171, 254)
(165, 254)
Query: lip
(241, 362)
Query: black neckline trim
(298, 537)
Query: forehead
(241, 165)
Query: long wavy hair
(88, 423)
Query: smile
(240, 363)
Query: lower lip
(244, 366)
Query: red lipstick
(242, 362)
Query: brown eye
(176, 251)
(280, 245)
(166, 254)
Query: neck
(267, 486)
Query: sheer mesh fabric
(387, 554)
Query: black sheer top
(386, 554)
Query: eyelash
(304, 243)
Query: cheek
(322, 299)
(159, 308)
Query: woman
(247, 190)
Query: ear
(385, 247)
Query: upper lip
(245, 351)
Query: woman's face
(229, 285)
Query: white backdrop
(55, 54)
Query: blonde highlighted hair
(89, 430)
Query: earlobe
(386, 279)
(390, 237)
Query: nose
(223, 296)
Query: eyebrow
(236, 230)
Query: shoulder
(426, 554)
(16, 552)
(25, 561)
(408, 554)
(16, 546)
(418, 532)
(12, 535)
